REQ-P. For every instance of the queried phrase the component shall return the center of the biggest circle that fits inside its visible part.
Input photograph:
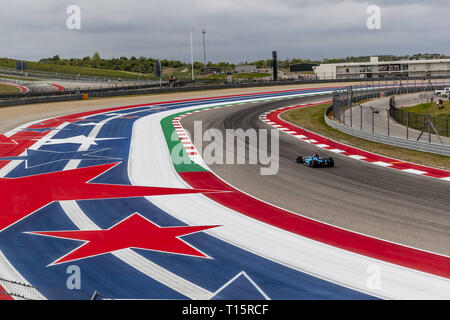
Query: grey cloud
(237, 30)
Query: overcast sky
(236, 30)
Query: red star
(23, 196)
(133, 232)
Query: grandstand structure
(383, 69)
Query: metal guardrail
(380, 138)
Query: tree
(96, 57)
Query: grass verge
(312, 118)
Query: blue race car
(315, 161)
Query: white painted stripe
(381, 164)
(242, 273)
(414, 171)
(322, 145)
(354, 156)
(336, 150)
(308, 140)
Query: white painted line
(308, 140)
(354, 156)
(242, 273)
(336, 150)
(381, 163)
(414, 171)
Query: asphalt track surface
(380, 202)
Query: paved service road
(408, 209)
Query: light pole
(204, 47)
(192, 57)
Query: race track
(104, 192)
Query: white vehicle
(444, 92)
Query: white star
(88, 124)
(86, 141)
(115, 114)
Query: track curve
(116, 173)
(380, 202)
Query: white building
(383, 69)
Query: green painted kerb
(177, 152)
